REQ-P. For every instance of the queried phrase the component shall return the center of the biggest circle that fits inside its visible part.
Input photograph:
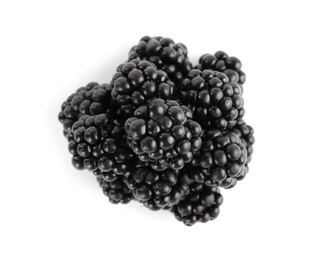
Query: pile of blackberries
(162, 132)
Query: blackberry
(156, 190)
(199, 206)
(115, 188)
(246, 133)
(136, 82)
(222, 158)
(163, 134)
(220, 61)
(165, 54)
(90, 100)
(99, 142)
(216, 101)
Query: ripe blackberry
(156, 190)
(163, 134)
(136, 82)
(222, 158)
(165, 54)
(199, 206)
(246, 133)
(115, 188)
(217, 101)
(98, 142)
(220, 61)
(90, 100)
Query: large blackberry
(156, 190)
(199, 206)
(165, 54)
(222, 158)
(136, 82)
(90, 100)
(98, 142)
(115, 188)
(220, 61)
(217, 101)
(163, 134)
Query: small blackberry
(199, 206)
(90, 100)
(222, 157)
(165, 54)
(98, 142)
(246, 133)
(115, 188)
(156, 190)
(136, 82)
(163, 134)
(216, 101)
(220, 61)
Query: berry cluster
(163, 133)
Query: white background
(48, 210)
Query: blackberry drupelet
(216, 101)
(220, 61)
(116, 189)
(90, 100)
(223, 158)
(136, 82)
(199, 206)
(156, 190)
(165, 54)
(99, 142)
(163, 134)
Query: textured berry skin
(136, 82)
(115, 188)
(98, 143)
(165, 54)
(222, 159)
(93, 99)
(216, 101)
(156, 190)
(220, 61)
(199, 206)
(163, 134)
